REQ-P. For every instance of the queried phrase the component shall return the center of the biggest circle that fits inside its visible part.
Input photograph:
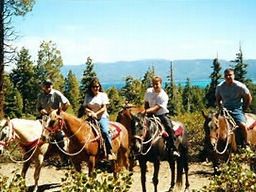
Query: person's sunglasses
(96, 86)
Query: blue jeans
(238, 115)
(104, 125)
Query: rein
(61, 124)
(152, 139)
(32, 149)
(230, 129)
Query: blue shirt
(232, 95)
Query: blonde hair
(157, 79)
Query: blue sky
(114, 30)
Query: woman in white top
(95, 104)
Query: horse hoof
(35, 189)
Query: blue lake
(120, 84)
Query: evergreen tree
(72, 91)
(175, 100)
(88, 75)
(187, 96)
(23, 78)
(133, 91)
(147, 79)
(13, 99)
(9, 9)
(240, 67)
(215, 78)
(115, 99)
(49, 64)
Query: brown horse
(85, 141)
(125, 117)
(223, 135)
(147, 145)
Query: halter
(230, 129)
(151, 140)
(58, 126)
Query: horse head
(54, 121)
(211, 128)
(5, 133)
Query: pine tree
(49, 64)
(13, 99)
(174, 104)
(23, 78)
(147, 79)
(240, 67)
(215, 78)
(72, 91)
(115, 99)
(133, 90)
(9, 9)
(88, 75)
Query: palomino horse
(31, 137)
(222, 134)
(85, 140)
(148, 145)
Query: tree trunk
(1, 59)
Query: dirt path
(51, 177)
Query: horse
(124, 117)
(31, 136)
(149, 146)
(85, 141)
(222, 135)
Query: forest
(23, 84)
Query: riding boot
(110, 154)
(172, 146)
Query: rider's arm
(218, 101)
(101, 110)
(247, 100)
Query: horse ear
(204, 115)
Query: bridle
(231, 126)
(143, 139)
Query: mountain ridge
(194, 69)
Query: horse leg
(76, 163)
(185, 161)
(25, 168)
(172, 169)
(38, 166)
(155, 174)
(143, 169)
(91, 164)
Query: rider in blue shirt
(236, 97)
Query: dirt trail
(51, 177)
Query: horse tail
(182, 163)
(179, 171)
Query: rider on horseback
(95, 104)
(235, 97)
(48, 100)
(156, 101)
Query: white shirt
(160, 99)
(96, 102)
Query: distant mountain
(197, 69)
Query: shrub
(16, 183)
(236, 175)
(98, 182)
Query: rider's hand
(43, 112)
